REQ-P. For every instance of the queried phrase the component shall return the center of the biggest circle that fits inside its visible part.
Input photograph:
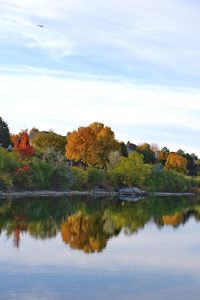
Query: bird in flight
(40, 25)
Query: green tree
(5, 139)
(130, 171)
(191, 165)
(197, 164)
(147, 152)
(181, 152)
(123, 149)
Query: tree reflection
(84, 232)
(16, 227)
(88, 224)
(174, 220)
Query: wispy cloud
(19, 28)
(134, 38)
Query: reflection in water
(84, 232)
(87, 224)
(174, 220)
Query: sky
(132, 65)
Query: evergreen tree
(5, 140)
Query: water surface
(79, 248)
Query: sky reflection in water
(92, 249)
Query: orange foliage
(91, 145)
(176, 162)
(80, 145)
(173, 220)
(162, 156)
(105, 142)
(22, 145)
(84, 233)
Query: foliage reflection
(88, 224)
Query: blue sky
(133, 65)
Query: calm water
(69, 248)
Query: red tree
(22, 145)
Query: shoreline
(167, 194)
(21, 194)
(43, 193)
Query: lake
(82, 248)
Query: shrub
(62, 174)
(9, 162)
(23, 180)
(79, 179)
(41, 174)
(196, 181)
(61, 177)
(95, 177)
(167, 181)
(5, 181)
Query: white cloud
(135, 112)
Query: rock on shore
(132, 191)
(131, 194)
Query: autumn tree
(80, 146)
(191, 162)
(22, 145)
(5, 139)
(176, 162)
(42, 140)
(91, 145)
(33, 132)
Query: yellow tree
(176, 162)
(162, 155)
(105, 142)
(80, 145)
(91, 145)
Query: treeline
(90, 157)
